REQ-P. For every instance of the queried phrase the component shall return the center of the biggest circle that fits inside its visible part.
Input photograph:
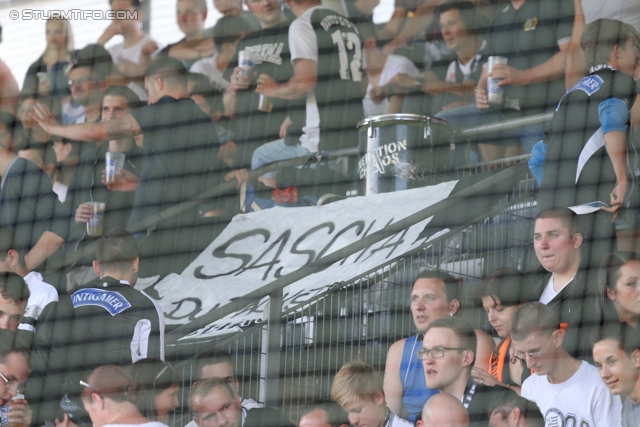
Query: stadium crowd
(99, 140)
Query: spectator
(67, 159)
(502, 292)
(618, 289)
(535, 37)
(357, 387)
(45, 76)
(564, 282)
(190, 16)
(133, 55)
(323, 413)
(9, 89)
(448, 354)
(227, 33)
(114, 323)
(443, 410)
(458, 29)
(28, 206)
(616, 352)
(14, 371)
(157, 388)
(213, 402)
(171, 172)
(586, 159)
(516, 411)
(217, 364)
(86, 185)
(381, 69)
(233, 8)
(325, 77)
(108, 396)
(87, 74)
(71, 413)
(435, 295)
(41, 294)
(14, 295)
(31, 142)
(588, 11)
(562, 385)
(255, 127)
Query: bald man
(443, 410)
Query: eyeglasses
(80, 81)
(436, 352)
(535, 355)
(86, 384)
(10, 383)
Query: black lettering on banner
(311, 254)
(364, 251)
(359, 225)
(281, 242)
(302, 295)
(254, 307)
(221, 252)
(197, 307)
(387, 245)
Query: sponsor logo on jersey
(589, 85)
(111, 301)
(267, 52)
(333, 20)
(4, 415)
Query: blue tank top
(415, 391)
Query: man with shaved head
(443, 410)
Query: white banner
(257, 248)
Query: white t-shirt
(119, 54)
(581, 401)
(549, 293)
(395, 64)
(41, 294)
(303, 44)
(209, 68)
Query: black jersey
(113, 324)
(578, 169)
(335, 106)
(270, 51)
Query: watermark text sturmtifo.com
(73, 14)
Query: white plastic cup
(94, 225)
(113, 162)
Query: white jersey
(581, 401)
(41, 295)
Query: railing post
(270, 352)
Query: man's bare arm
(303, 81)
(553, 68)
(103, 131)
(47, 244)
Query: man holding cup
(268, 49)
(87, 187)
(533, 37)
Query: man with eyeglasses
(14, 371)
(448, 353)
(567, 390)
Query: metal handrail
(278, 285)
(228, 187)
(504, 125)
